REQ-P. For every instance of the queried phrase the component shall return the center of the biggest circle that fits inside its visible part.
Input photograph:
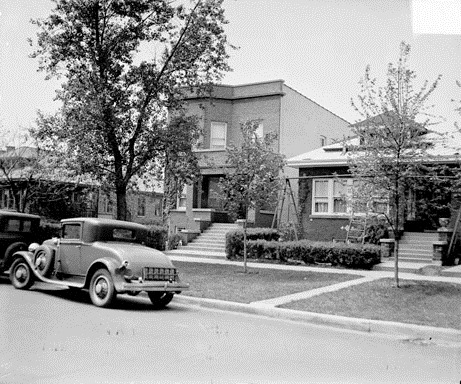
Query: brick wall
(319, 227)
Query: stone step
(217, 242)
(192, 247)
(192, 253)
(417, 260)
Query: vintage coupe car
(107, 257)
(17, 231)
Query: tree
(33, 174)
(252, 175)
(392, 146)
(116, 106)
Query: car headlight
(33, 247)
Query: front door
(212, 193)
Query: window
(14, 225)
(218, 135)
(71, 231)
(7, 199)
(123, 234)
(157, 209)
(182, 199)
(142, 206)
(323, 141)
(329, 196)
(342, 196)
(106, 204)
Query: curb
(408, 331)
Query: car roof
(18, 214)
(101, 222)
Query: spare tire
(43, 259)
(11, 250)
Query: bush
(173, 241)
(47, 230)
(157, 237)
(234, 239)
(338, 254)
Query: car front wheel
(160, 299)
(102, 290)
(21, 275)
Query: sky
(319, 47)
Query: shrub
(157, 237)
(338, 254)
(234, 239)
(262, 249)
(48, 230)
(173, 241)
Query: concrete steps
(210, 243)
(416, 247)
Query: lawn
(228, 282)
(416, 302)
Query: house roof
(24, 152)
(446, 148)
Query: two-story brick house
(299, 123)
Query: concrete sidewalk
(423, 334)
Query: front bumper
(154, 286)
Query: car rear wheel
(160, 299)
(43, 259)
(21, 275)
(102, 290)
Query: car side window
(71, 231)
(14, 225)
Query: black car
(17, 231)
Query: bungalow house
(324, 177)
(299, 123)
(57, 197)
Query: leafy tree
(392, 138)
(32, 174)
(252, 175)
(116, 105)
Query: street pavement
(269, 307)
(50, 335)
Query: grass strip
(429, 303)
(228, 282)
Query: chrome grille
(159, 274)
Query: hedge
(337, 254)
(234, 239)
(157, 237)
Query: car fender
(29, 258)
(113, 266)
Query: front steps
(415, 254)
(416, 247)
(210, 243)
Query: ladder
(455, 232)
(356, 229)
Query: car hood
(136, 254)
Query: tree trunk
(245, 255)
(122, 211)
